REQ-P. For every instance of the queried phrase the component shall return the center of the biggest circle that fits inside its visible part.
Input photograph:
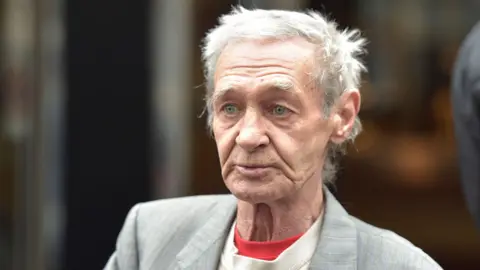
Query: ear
(344, 114)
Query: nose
(252, 133)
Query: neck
(278, 220)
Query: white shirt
(295, 257)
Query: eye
(280, 110)
(230, 109)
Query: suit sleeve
(125, 256)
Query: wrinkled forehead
(276, 82)
(294, 49)
(273, 85)
(293, 46)
(279, 63)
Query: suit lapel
(336, 250)
(206, 246)
(337, 247)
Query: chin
(256, 191)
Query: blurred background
(100, 105)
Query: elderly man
(282, 100)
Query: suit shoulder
(382, 247)
(183, 204)
(174, 208)
(163, 227)
(165, 216)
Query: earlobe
(338, 132)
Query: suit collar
(203, 251)
(337, 248)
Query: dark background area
(108, 127)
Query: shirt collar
(294, 257)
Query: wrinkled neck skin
(279, 220)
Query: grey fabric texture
(190, 233)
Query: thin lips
(253, 166)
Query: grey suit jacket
(190, 233)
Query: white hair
(338, 67)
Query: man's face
(268, 122)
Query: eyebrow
(276, 84)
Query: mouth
(253, 170)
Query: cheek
(288, 147)
(303, 149)
(224, 139)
